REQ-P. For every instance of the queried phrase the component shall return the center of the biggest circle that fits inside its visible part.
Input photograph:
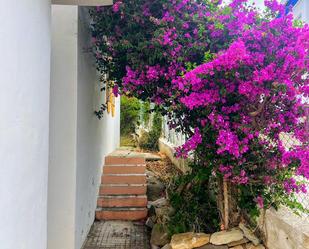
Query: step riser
(124, 169)
(108, 179)
(122, 202)
(104, 190)
(122, 194)
(121, 215)
(111, 160)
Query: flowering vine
(232, 79)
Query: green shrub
(128, 141)
(194, 205)
(130, 113)
(150, 140)
(146, 112)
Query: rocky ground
(159, 175)
(136, 235)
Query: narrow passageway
(120, 215)
(117, 235)
(128, 186)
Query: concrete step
(112, 160)
(121, 169)
(124, 179)
(125, 189)
(122, 201)
(121, 213)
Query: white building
(51, 144)
(300, 9)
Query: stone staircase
(123, 187)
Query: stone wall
(285, 230)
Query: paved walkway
(117, 235)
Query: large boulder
(252, 246)
(248, 246)
(249, 234)
(210, 246)
(159, 235)
(238, 247)
(225, 237)
(238, 242)
(167, 246)
(189, 240)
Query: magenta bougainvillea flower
(232, 79)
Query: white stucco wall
(301, 10)
(78, 140)
(83, 2)
(95, 138)
(24, 122)
(63, 121)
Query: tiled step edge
(122, 201)
(121, 170)
(121, 213)
(110, 160)
(123, 179)
(137, 189)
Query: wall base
(168, 149)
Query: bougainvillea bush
(233, 79)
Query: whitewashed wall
(63, 122)
(301, 10)
(24, 122)
(95, 138)
(78, 140)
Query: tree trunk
(227, 204)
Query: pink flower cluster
(229, 142)
(291, 185)
(190, 145)
(116, 6)
(231, 74)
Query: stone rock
(239, 242)
(149, 174)
(159, 235)
(154, 247)
(189, 240)
(151, 211)
(237, 247)
(249, 234)
(159, 202)
(163, 214)
(225, 237)
(155, 188)
(252, 246)
(162, 211)
(167, 246)
(149, 222)
(210, 246)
